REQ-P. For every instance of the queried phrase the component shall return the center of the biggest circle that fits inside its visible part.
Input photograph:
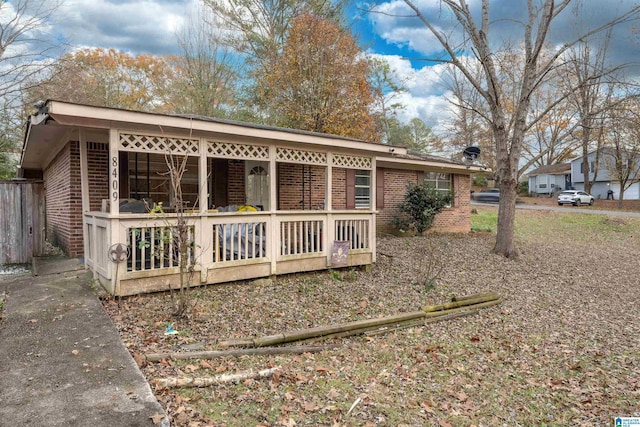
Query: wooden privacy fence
(22, 221)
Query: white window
(363, 189)
(440, 181)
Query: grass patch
(484, 221)
(574, 227)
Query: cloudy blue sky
(150, 26)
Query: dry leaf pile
(563, 349)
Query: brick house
(245, 220)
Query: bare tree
(591, 92)
(621, 153)
(174, 245)
(469, 125)
(509, 117)
(25, 51)
(385, 92)
(25, 46)
(551, 138)
(206, 71)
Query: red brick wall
(237, 194)
(290, 187)
(98, 166)
(454, 219)
(64, 200)
(338, 187)
(457, 219)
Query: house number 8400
(114, 179)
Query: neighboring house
(549, 179)
(604, 180)
(263, 200)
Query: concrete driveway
(62, 362)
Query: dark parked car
(491, 195)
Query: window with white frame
(440, 181)
(363, 189)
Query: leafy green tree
(415, 136)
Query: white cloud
(425, 96)
(134, 26)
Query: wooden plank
(21, 221)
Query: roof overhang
(428, 165)
(58, 121)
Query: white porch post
(84, 189)
(374, 207)
(273, 229)
(114, 204)
(329, 234)
(204, 231)
(203, 193)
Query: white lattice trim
(351, 162)
(290, 155)
(159, 144)
(233, 150)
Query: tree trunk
(621, 196)
(505, 244)
(585, 159)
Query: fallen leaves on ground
(562, 349)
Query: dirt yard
(563, 349)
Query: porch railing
(155, 247)
(236, 239)
(219, 240)
(355, 231)
(301, 236)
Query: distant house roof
(560, 169)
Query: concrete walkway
(62, 362)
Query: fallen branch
(450, 316)
(462, 302)
(239, 342)
(464, 308)
(157, 357)
(209, 381)
(472, 302)
(360, 331)
(489, 295)
(394, 328)
(302, 334)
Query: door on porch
(257, 179)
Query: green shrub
(523, 188)
(480, 180)
(420, 205)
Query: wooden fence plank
(22, 221)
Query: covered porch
(269, 207)
(259, 200)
